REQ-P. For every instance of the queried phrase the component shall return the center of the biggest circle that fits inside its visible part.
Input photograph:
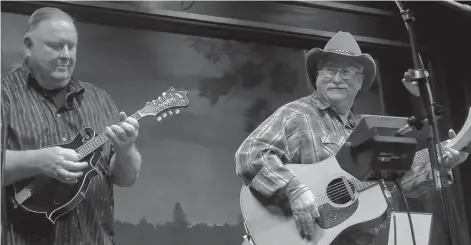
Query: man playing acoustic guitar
(45, 106)
(311, 129)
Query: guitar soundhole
(338, 192)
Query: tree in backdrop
(250, 64)
(177, 232)
(179, 216)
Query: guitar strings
(421, 157)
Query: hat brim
(316, 54)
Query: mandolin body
(49, 197)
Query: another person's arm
(418, 182)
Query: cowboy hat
(342, 44)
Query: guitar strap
(81, 130)
(247, 237)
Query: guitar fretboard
(420, 157)
(100, 140)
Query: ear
(27, 46)
(360, 82)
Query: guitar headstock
(462, 140)
(170, 102)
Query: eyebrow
(350, 66)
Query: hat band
(341, 51)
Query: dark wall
(446, 30)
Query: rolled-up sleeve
(261, 158)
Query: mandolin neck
(100, 140)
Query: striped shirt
(306, 131)
(35, 122)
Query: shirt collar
(323, 104)
(319, 100)
(73, 87)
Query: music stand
(375, 151)
(399, 228)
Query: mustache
(337, 88)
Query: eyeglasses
(332, 72)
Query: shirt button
(64, 139)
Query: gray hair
(46, 13)
(40, 15)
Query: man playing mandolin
(311, 129)
(44, 107)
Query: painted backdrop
(188, 188)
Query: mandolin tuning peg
(177, 111)
(170, 112)
(159, 118)
(164, 114)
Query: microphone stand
(419, 76)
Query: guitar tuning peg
(177, 111)
(170, 112)
(164, 114)
(159, 118)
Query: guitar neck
(421, 157)
(100, 140)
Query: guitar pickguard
(331, 216)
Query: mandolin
(49, 197)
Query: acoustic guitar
(340, 209)
(51, 198)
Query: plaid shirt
(307, 131)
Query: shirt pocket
(331, 143)
(31, 130)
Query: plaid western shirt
(307, 131)
(35, 122)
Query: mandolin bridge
(23, 195)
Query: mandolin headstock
(169, 103)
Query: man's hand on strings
(305, 213)
(452, 157)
